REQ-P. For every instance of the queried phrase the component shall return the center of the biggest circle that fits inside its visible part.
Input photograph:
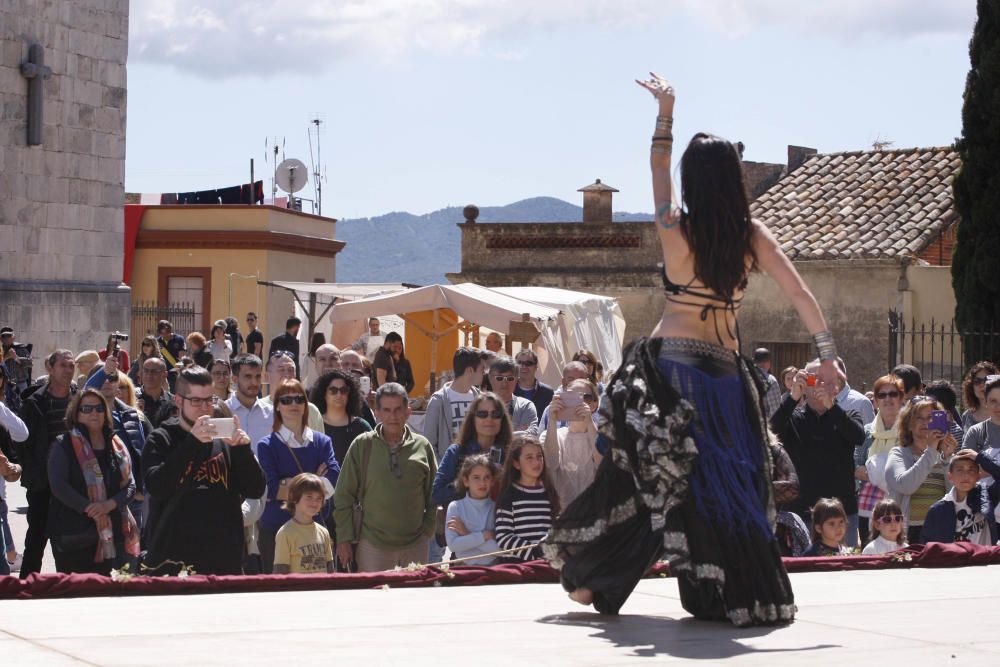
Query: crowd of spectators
(203, 455)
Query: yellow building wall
(419, 346)
(246, 295)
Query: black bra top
(730, 304)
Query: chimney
(597, 203)
(797, 155)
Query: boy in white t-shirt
(964, 514)
(447, 406)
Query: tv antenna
(317, 165)
(271, 155)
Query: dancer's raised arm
(661, 150)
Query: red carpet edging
(534, 572)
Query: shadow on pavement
(650, 636)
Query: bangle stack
(664, 124)
(825, 346)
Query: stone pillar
(61, 218)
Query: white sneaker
(15, 566)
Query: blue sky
(430, 103)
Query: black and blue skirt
(686, 478)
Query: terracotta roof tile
(862, 204)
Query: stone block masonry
(61, 202)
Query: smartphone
(365, 383)
(225, 427)
(570, 400)
(810, 379)
(939, 421)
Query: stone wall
(61, 202)
(617, 260)
(855, 296)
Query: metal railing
(939, 349)
(146, 315)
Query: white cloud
(221, 38)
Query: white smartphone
(365, 383)
(224, 427)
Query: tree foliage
(976, 260)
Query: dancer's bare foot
(582, 595)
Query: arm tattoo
(663, 217)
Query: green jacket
(397, 511)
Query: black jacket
(33, 453)
(70, 497)
(541, 398)
(133, 429)
(206, 529)
(822, 449)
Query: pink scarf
(97, 492)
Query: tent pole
(434, 351)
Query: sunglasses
(394, 466)
(492, 414)
(504, 378)
(345, 390)
(893, 518)
(978, 381)
(292, 400)
(589, 397)
(527, 362)
(94, 407)
(882, 395)
(282, 353)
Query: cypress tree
(975, 268)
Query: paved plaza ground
(914, 617)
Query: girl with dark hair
(829, 526)
(338, 398)
(687, 473)
(528, 502)
(148, 349)
(974, 393)
(404, 371)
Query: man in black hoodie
(196, 484)
(43, 411)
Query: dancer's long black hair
(715, 216)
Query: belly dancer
(687, 476)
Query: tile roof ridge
(872, 151)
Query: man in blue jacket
(965, 513)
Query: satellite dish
(291, 175)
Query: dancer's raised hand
(660, 89)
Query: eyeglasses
(527, 362)
(882, 395)
(504, 378)
(93, 407)
(492, 414)
(345, 390)
(890, 518)
(292, 400)
(206, 402)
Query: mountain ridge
(432, 241)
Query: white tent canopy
(566, 320)
(340, 290)
(589, 321)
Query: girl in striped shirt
(527, 503)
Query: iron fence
(146, 315)
(939, 349)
